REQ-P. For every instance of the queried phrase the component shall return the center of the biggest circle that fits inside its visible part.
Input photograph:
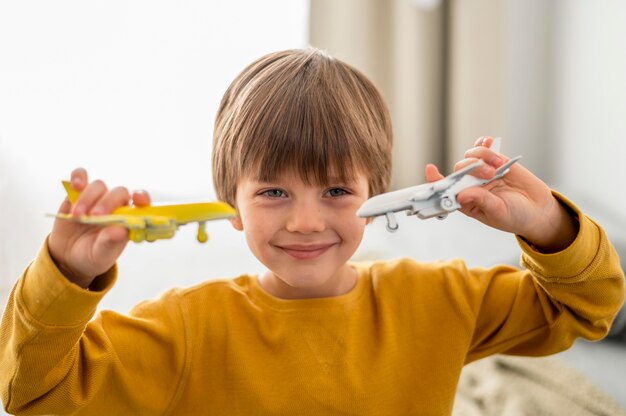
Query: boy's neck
(341, 284)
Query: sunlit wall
(128, 90)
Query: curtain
(450, 71)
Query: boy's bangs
(304, 135)
(315, 164)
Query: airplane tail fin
(495, 145)
(72, 194)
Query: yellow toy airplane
(155, 222)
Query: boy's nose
(306, 218)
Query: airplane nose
(366, 209)
(379, 205)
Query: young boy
(301, 141)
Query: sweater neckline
(276, 303)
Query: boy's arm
(53, 361)
(573, 293)
(574, 285)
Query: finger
(484, 172)
(89, 197)
(479, 203)
(111, 200)
(141, 198)
(485, 141)
(79, 179)
(431, 173)
(486, 154)
(66, 207)
(469, 196)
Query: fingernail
(97, 211)
(76, 182)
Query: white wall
(127, 89)
(589, 107)
(566, 100)
(529, 63)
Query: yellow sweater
(394, 345)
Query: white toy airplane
(434, 199)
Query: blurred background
(129, 90)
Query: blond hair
(301, 110)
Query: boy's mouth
(305, 252)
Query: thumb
(479, 203)
(431, 173)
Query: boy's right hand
(81, 251)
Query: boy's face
(304, 234)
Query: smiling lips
(305, 252)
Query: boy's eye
(273, 193)
(334, 192)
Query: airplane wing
(104, 220)
(471, 181)
(460, 175)
(183, 213)
(154, 222)
(445, 183)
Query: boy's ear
(236, 223)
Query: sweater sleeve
(54, 360)
(559, 297)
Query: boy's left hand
(519, 202)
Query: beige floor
(604, 363)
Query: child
(301, 141)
